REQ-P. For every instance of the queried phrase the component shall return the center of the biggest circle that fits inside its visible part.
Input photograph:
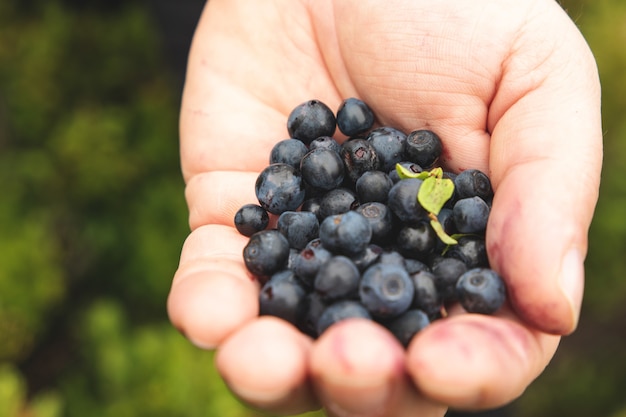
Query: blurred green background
(92, 218)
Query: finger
(358, 370)
(212, 294)
(477, 362)
(546, 156)
(265, 364)
(243, 80)
(214, 197)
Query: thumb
(545, 160)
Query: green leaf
(404, 173)
(434, 192)
(438, 228)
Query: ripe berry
(373, 186)
(288, 151)
(283, 296)
(279, 188)
(423, 147)
(310, 120)
(348, 233)
(389, 145)
(470, 215)
(251, 218)
(341, 310)
(358, 157)
(322, 168)
(299, 227)
(354, 117)
(386, 290)
(338, 278)
(407, 325)
(481, 290)
(402, 201)
(266, 253)
(473, 183)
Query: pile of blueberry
(368, 228)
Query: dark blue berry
(341, 310)
(407, 325)
(427, 297)
(314, 307)
(416, 241)
(326, 142)
(386, 290)
(337, 279)
(423, 147)
(348, 233)
(312, 205)
(266, 253)
(310, 120)
(481, 290)
(380, 219)
(288, 151)
(310, 259)
(338, 201)
(368, 257)
(470, 215)
(447, 272)
(322, 168)
(403, 202)
(373, 186)
(359, 156)
(279, 188)
(251, 218)
(354, 117)
(283, 296)
(473, 183)
(389, 145)
(471, 250)
(299, 227)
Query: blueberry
(447, 272)
(266, 253)
(358, 157)
(299, 227)
(322, 168)
(326, 142)
(481, 290)
(338, 201)
(354, 117)
(314, 307)
(403, 202)
(380, 219)
(471, 250)
(341, 310)
(427, 297)
(310, 120)
(423, 147)
(392, 257)
(373, 186)
(389, 145)
(348, 233)
(413, 266)
(416, 241)
(368, 257)
(470, 215)
(288, 151)
(312, 205)
(407, 325)
(251, 218)
(310, 259)
(279, 188)
(337, 279)
(473, 183)
(386, 290)
(283, 296)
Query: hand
(510, 87)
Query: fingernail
(572, 281)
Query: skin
(512, 89)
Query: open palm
(510, 87)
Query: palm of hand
(504, 98)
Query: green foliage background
(92, 218)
